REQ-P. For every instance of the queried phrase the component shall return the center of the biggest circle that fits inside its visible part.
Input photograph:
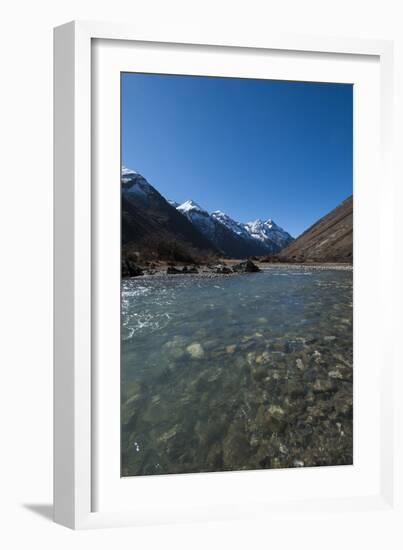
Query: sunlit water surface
(237, 372)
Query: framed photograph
(222, 213)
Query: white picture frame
(80, 428)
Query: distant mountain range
(328, 240)
(149, 220)
(233, 238)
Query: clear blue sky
(251, 148)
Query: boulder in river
(131, 269)
(246, 267)
(222, 270)
(190, 270)
(173, 270)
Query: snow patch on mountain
(199, 217)
(191, 206)
(229, 223)
(264, 230)
(133, 182)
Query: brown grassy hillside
(329, 240)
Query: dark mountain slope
(329, 240)
(150, 223)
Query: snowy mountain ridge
(267, 233)
(232, 238)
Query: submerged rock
(235, 447)
(195, 351)
(177, 353)
(262, 320)
(323, 386)
(341, 372)
(271, 419)
(275, 419)
(336, 374)
(263, 359)
(295, 389)
(170, 434)
(259, 373)
(292, 346)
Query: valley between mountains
(161, 235)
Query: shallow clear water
(237, 372)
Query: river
(237, 372)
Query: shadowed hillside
(153, 227)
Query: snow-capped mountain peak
(127, 172)
(133, 182)
(190, 206)
(263, 230)
(199, 217)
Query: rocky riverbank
(132, 268)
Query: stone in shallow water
(335, 373)
(210, 344)
(263, 358)
(283, 449)
(259, 373)
(165, 437)
(341, 372)
(176, 353)
(230, 349)
(156, 413)
(295, 389)
(251, 358)
(271, 419)
(294, 345)
(195, 351)
(323, 386)
(215, 457)
(235, 447)
(343, 406)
